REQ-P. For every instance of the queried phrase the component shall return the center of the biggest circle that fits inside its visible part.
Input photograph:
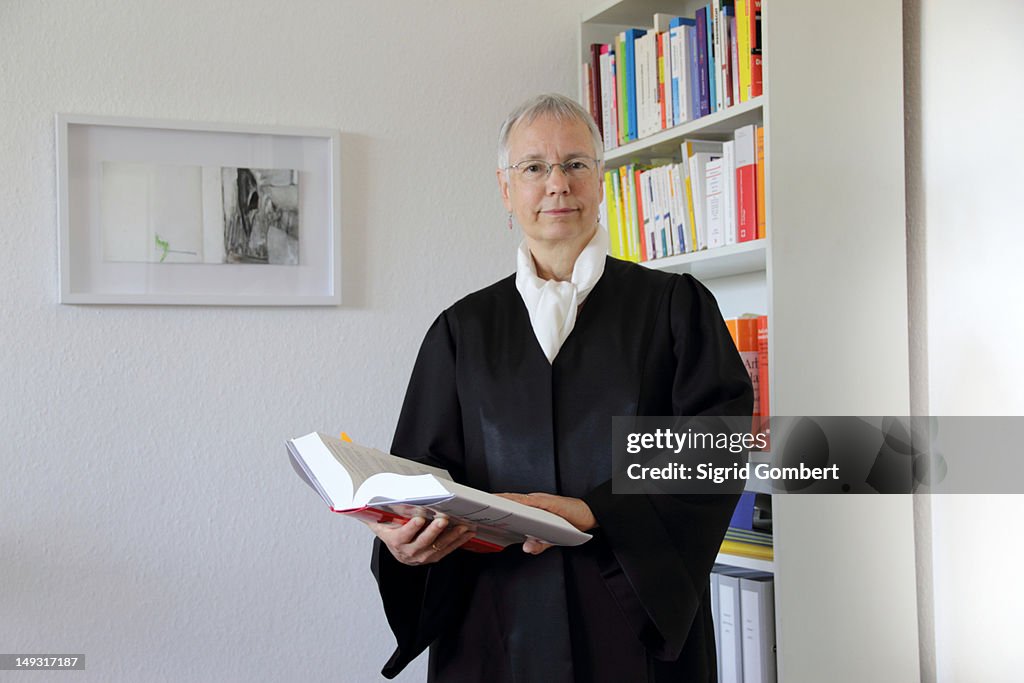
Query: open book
(365, 482)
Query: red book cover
(475, 545)
(762, 230)
(762, 371)
(746, 184)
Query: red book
(756, 86)
(762, 230)
(595, 85)
(474, 545)
(746, 184)
(368, 484)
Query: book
(714, 198)
(706, 94)
(743, 331)
(756, 81)
(695, 156)
(593, 74)
(764, 409)
(369, 484)
(746, 184)
(729, 191)
(630, 37)
(757, 616)
(762, 231)
(743, 47)
(681, 49)
(729, 620)
(755, 551)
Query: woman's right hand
(416, 542)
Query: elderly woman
(514, 390)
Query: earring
(509, 220)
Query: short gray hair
(561, 108)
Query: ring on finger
(434, 546)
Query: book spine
(643, 216)
(702, 62)
(756, 81)
(757, 611)
(725, 71)
(729, 189)
(606, 126)
(762, 227)
(664, 76)
(623, 108)
(711, 63)
(730, 621)
(595, 86)
(694, 91)
(734, 61)
(746, 185)
(743, 47)
(674, 43)
(631, 91)
(763, 392)
(714, 201)
(611, 211)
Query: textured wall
(148, 516)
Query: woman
(513, 390)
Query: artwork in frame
(158, 212)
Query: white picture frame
(120, 179)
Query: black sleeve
(665, 545)
(420, 601)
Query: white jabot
(552, 305)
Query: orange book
(762, 371)
(744, 334)
(762, 229)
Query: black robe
(484, 403)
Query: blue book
(743, 515)
(677, 28)
(712, 81)
(631, 36)
(702, 60)
(691, 57)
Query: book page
(363, 462)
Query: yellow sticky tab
(346, 437)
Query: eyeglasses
(537, 170)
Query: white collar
(552, 304)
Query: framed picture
(160, 212)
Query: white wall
(148, 516)
(969, 205)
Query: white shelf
(665, 144)
(735, 259)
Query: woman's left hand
(573, 510)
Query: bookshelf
(831, 276)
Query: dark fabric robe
(484, 403)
